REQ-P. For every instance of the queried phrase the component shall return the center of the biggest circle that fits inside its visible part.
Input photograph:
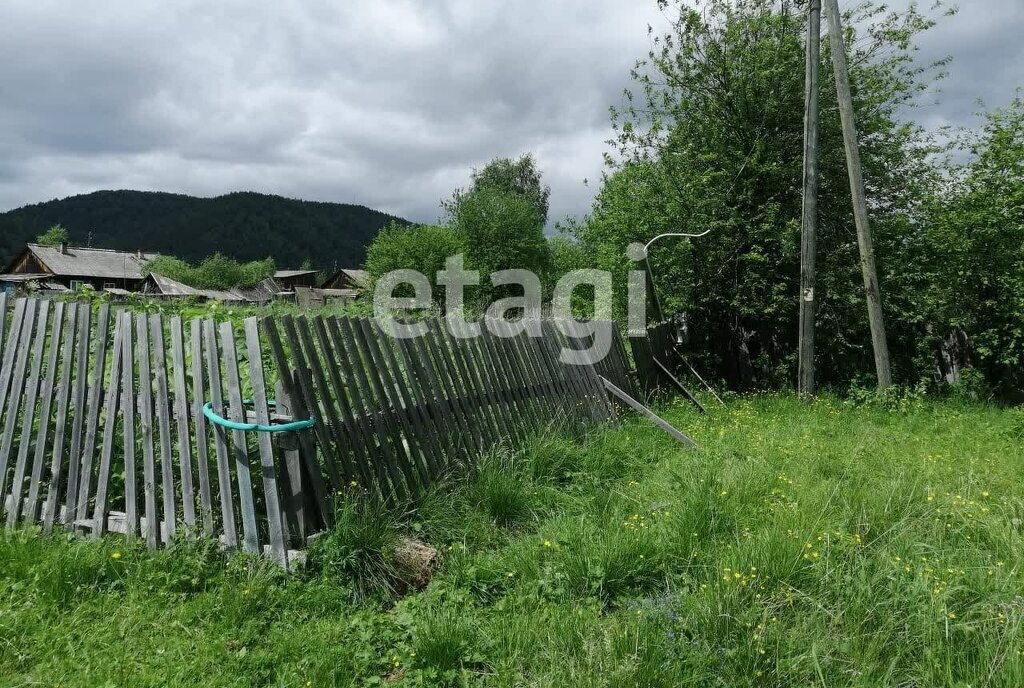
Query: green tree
(54, 236)
(500, 231)
(518, 177)
(711, 139)
(500, 221)
(423, 248)
(976, 249)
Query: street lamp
(644, 254)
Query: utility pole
(860, 206)
(809, 224)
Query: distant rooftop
(80, 261)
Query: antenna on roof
(88, 240)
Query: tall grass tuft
(359, 549)
(500, 488)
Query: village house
(63, 268)
(348, 278)
(66, 268)
(289, 279)
(340, 289)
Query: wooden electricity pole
(809, 224)
(860, 206)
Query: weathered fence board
(259, 400)
(199, 423)
(131, 503)
(250, 535)
(78, 407)
(158, 365)
(94, 403)
(181, 418)
(67, 346)
(110, 427)
(31, 395)
(149, 485)
(220, 436)
(45, 405)
(17, 387)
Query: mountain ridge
(246, 225)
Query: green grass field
(813, 545)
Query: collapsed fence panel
(105, 428)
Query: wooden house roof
(77, 261)
(350, 276)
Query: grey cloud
(387, 103)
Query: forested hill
(243, 225)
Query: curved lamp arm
(674, 234)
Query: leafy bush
(215, 272)
(423, 248)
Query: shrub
(423, 248)
(215, 272)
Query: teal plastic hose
(255, 427)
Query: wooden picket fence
(103, 426)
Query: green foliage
(500, 231)
(54, 236)
(518, 177)
(499, 222)
(975, 249)
(215, 272)
(423, 248)
(444, 641)
(711, 139)
(246, 226)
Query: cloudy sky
(387, 103)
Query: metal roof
(293, 273)
(92, 262)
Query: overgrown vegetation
(496, 224)
(214, 272)
(423, 248)
(864, 543)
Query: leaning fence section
(104, 423)
(394, 415)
